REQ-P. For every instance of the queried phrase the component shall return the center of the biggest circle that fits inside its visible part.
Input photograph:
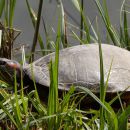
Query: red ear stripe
(13, 65)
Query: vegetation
(20, 111)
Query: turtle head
(8, 69)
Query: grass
(20, 111)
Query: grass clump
(20, 111)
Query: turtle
(79, 66)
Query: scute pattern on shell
(80, 65)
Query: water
(23, 22)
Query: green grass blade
(34, 19)
(25, 102)
(36, 104)
(81, 20)
(56, 64)
(122, 39)
(112, 32)
(86, 26)
(55, 70)
(3, 93)
(6, 13)
(53, 91)
(123, 119)
(18, 115)
(34, 83)
(106, 10)
(126, 34)
(2, 5)
(31, 13)
(106, 82)
(11, 12)
(112, 120)
(119, 94)
(121, 10)
(76, 4)
(9, 114)
(66, 98)
(86, 90)
(102, 88)
(35, 38)
(63, 26)
(51, 102)
(77, 37)
(93, 30)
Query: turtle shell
(80, 66)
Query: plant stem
(36, 31)
(81, 21)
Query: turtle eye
(2, 63)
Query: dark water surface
(50, 14)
